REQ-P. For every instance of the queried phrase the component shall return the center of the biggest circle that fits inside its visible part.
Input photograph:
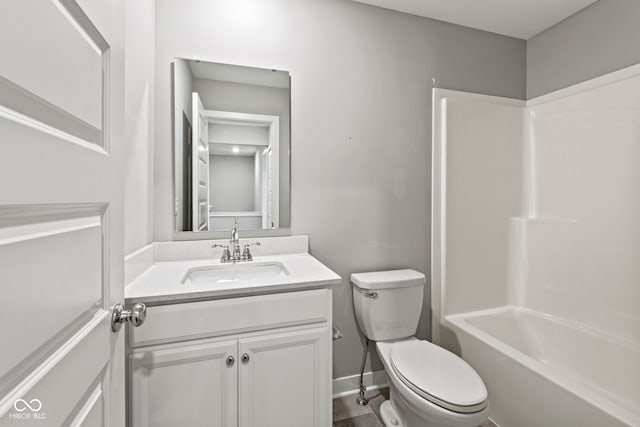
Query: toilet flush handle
(372, 295)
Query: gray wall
(253, 99)
(138, 124)
(231, 183)
(361, 121)
(602, 38)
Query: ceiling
(238, 74)
(516, 18)
(218, 149)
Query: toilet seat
(438, 376)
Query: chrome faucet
(234, 242)
(234, 254)
(235, 237)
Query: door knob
(136, 316)
(230, 360)
(245, 358)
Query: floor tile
(376, 397)
(367, 420)
(346, 407)
(347, 413)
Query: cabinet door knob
(230, 361)
(245, 358)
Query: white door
(264, 189)
(270, 190)
(200, 180)
(189, 385)
(61, 231)
(274, 174)
(284, 379)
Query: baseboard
(351, 385)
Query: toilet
(429, 386)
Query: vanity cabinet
(283, 375)
(189, 385)
(254, 361)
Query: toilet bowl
(429, 386)
(455, 396)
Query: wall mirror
(232, 145)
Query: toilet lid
(439, 376)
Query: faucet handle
(226, 254)
(246, 253)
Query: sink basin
(229, 273)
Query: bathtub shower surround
(536, 242)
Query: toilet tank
(387, 304)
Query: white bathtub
(546, 371)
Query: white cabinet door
(192, 385)
(61, 231)
(284, 379)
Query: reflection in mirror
(231, 146)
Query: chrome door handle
(136, 316)
(230, 361)
(245, 358)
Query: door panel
(61, 260)
(92, 411)
(64, 379)
(53, 40)
(285, 380)
(34, 260)
(189, 385)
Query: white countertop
(162, 282)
